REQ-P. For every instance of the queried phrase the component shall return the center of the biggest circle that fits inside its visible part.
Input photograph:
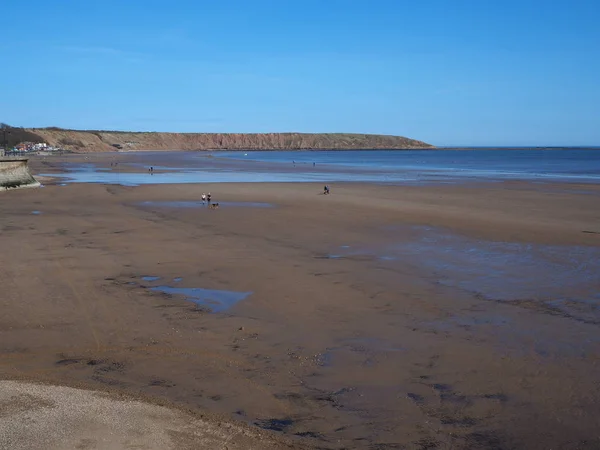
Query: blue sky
(449, 72)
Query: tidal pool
(213, 299)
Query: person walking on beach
(203, 198)
(208, 198)
(325, 190)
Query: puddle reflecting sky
(505, 271)
(200, 204)
(150, 278)
(87, 174)
(215, 300)
(363, 348)
(554, 280)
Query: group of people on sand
(206, 198)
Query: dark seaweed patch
(489, 441)
(310, 434)
(442, 387)
(418, 399)
(426, 444)
(459, 422)
(500, 397)
(275, 424)
(67, 361)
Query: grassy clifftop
(98, 141)
(15, 135)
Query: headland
(104, 141)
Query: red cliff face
(98, 141)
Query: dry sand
(34, 417)
(326, 353)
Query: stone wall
(14, 173)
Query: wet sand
(348, 338)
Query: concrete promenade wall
(14, 173)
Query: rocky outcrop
(14, 173)
(99, 141)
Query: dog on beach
(214, 206)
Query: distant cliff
(103, 141)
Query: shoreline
(212, 168)
(394, 197)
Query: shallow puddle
(150, 278)
(88, 173)
(215, 300)
(36, 213)
(562, 279)
(200, 204)
(358, 254)
(362, 349)
(507, 270)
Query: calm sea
(375, 166)
(575, 165)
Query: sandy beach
(351, 334)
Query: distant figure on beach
(294, 163)
(208, 198)
(151, 170)
(314, 164)
(203, 198)
(325, 190)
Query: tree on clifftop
(11, 136)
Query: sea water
(556, 164)
(437, 166)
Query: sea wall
(14, 173)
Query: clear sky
(449, 72)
